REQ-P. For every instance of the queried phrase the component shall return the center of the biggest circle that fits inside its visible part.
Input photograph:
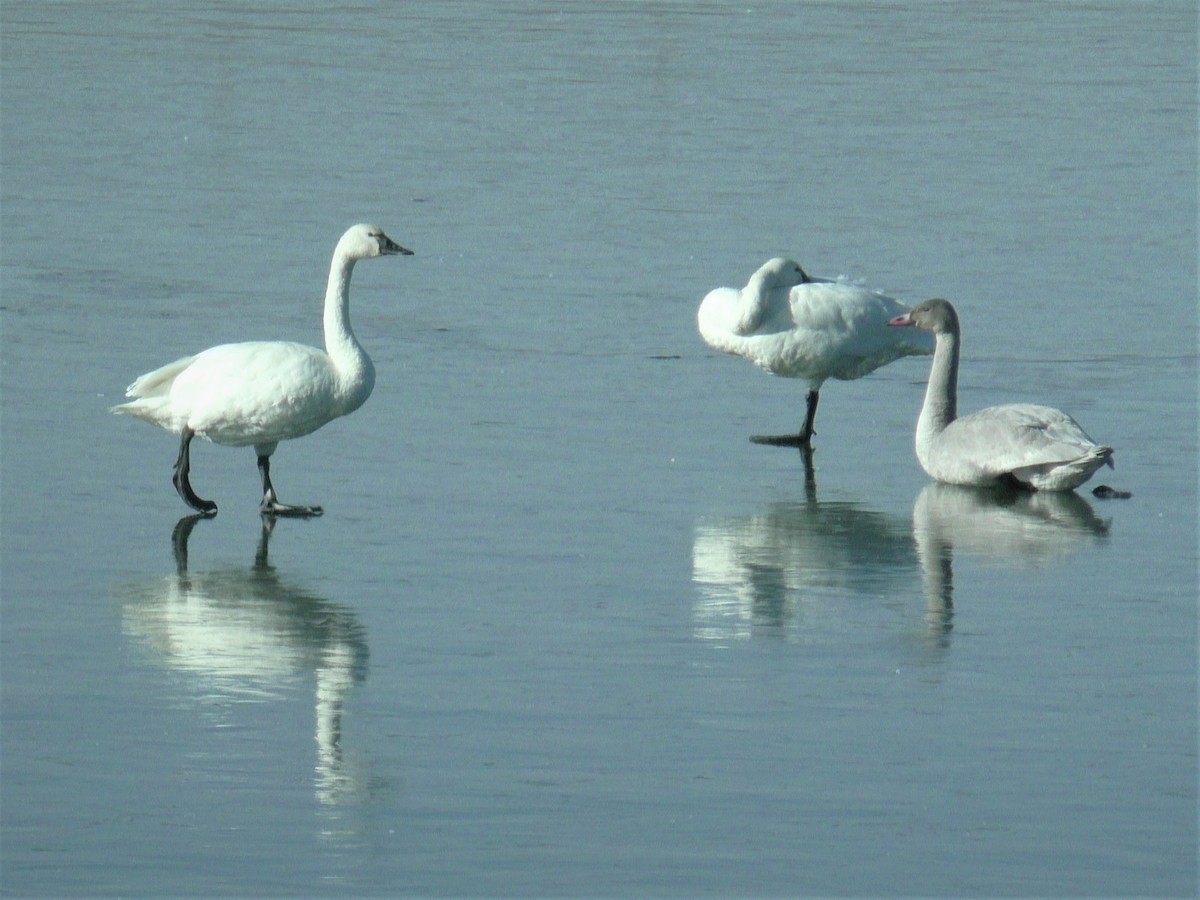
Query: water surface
(563, 630)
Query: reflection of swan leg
(810, 472)
(270, 501)
(264, 542)
(804, 438)
(179, 540)
(183, 464)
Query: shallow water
(562, 629)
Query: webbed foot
(272, 507)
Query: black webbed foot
(272, 507)
(800, 441)
(803, 440)
(270, 502)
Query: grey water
(563, 630)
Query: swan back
(840, 330)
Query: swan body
(255, 392)
(258, 393)
(809, 328)
(1034, 447)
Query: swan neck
(354, 370)
(339, 336)
(941, 395)
(752, 306)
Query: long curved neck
(752, 305)
(353, 366)
(941, 395)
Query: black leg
(270, 502)
(801, 440)
(810, 416)
(183, 464)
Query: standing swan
(1032, 447)
(810, 328)
(264, 392)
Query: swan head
(367, 242)
(937, 316)
(779, 273)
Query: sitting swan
(264, 392)
(810, 328)
(1032, 447)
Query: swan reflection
(757, 574)
(1012, 527)
(245, 632)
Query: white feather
(262, 392)
(813, 329)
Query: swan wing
(257, 392)
(854, 320)
(1039, 446)
(151, 395)
(839, 330)
(159, 381)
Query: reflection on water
(245, 632)
(1006, 526)
(760, 574)
(775, 573)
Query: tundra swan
(810, 328)
(262, 392)
(1034, 447)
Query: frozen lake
(563, 630)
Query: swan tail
(1065, 475)
(151, 395)
(158, 383)
(154, 410)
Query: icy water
(563, 630)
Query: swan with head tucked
(1033, 447)
(262, 392)
(810, 328)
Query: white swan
(810, 328)
(1033, 447)
(264, 392)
